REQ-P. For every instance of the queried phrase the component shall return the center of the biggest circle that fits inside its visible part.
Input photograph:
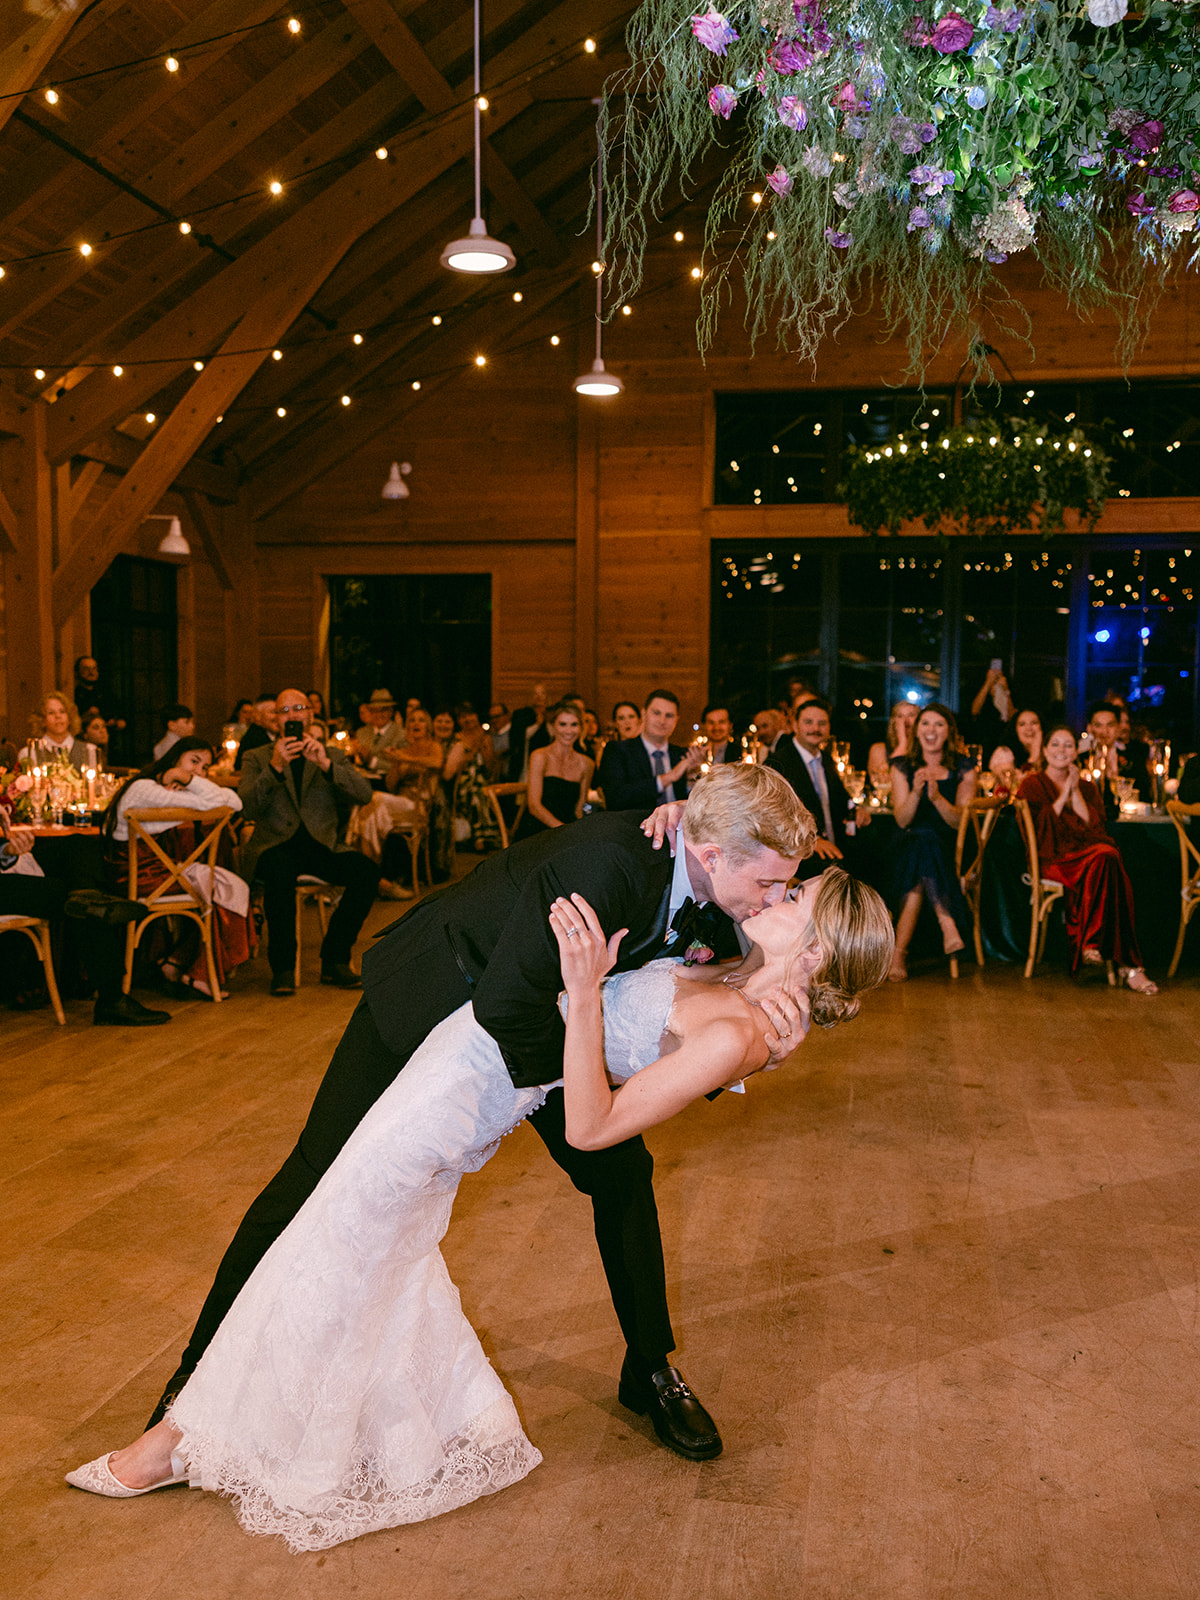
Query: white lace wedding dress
(345, 1391)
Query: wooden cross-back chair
(500, 791)
(38, 930)
(1044, 893)
(176, 895)
(1189, 873)
(414, 827)
(976, 821)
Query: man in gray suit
(290, 791)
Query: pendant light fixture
(478, 252)
(395, 488)
(599, 382)
(172, 542)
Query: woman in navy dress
(930, 785)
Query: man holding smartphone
(298, 794)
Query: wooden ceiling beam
(186, 168)
(126, 105)
(348, 208)
(225, 561)
(302, 466)
(175, 442)
(121, 453)
(24, 59)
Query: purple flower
(917, 33)
(1003, 21)
(1139, 205)
(996, 257)
(951, 33)
(1163, 172)
(713, 31)
(918, 217)
(792, 113)
(1146, 136)
(1184, 200)
(902, 132)
(788, 56)
(854, 127)
(721, 100)
(780, 180)
(840, 241)
(846, 98)
(932, 180)
(926, 132)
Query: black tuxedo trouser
(618, 1181)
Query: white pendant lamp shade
(598, 381)
(395, 488)
(478, 252)
(172, 542)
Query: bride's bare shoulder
(711, 1008)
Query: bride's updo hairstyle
(855, 933)
(745, 809)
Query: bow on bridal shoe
(97, 1478)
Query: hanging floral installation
(909, 150)
(1011, 476)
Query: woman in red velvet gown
(1074, 849)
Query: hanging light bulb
(598, 381)
(478, 252)
(395, 488)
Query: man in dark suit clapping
(639, 774)
(810, 769)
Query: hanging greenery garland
(909, 150)
(1011, 476)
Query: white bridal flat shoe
(97, 1478)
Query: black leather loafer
(112, 909)
(678, 1418)
(282, 983)
(340, 975)
(126, 1012)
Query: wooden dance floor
(937, 1280)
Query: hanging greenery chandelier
(907, 150)
(1009, 476)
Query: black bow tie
(693, 924)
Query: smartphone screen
(293, 728)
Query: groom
(488, 939)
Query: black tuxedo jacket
(785, 758)
(488, 939)
(627, 776)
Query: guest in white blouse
(177, 779)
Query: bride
(345, 1391)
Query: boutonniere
(696, 953)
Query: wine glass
(856, 783)
(987, 782)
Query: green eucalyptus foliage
(1010, 477)
(1025, 124)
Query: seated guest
(1074, 848)
(380, 732)
(591, 738)
(894, 743)
(95, 736)
(181, 724)
(59, 736)
(1189, 782)
(807, 765)
(408, 786)
(177, 779)
(261, 733)
(649, 769)
(500, 727)
(26, 892)
(1115, 757)
(558, 776)
(627, 719)
(291, 794)
(241, 719)
(316, 704)
(1022, 749)
(770, 726)
(468, 770)
(930, 786)
(717, 727)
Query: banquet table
(1149, 848)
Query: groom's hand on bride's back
(663, 821)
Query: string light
(276, 355)
(626, 311)
(281, 411)
(1, 272)
(151, 418)
(381, 154)
(416, 383)
(597, 267)
(276, 187)
(437, 321)
(118, 372)
(517, 297)
(554, 339)
(590, 46)
(85, 249)
(481, 361)
(39, 373)
(695, 272)
(358, 338)
(482, 102)
(198, 365)
(756, 197)
(678, 235)
(185, 227)
(51, 97)
(172, 64)
(293, 25)
(345, 399)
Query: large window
(425, 635)
(135, 639)
(868, 623)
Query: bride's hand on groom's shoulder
(788, 1016)
(663, 821)
(584, 953)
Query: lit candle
(91, 783)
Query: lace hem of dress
(474, 1463)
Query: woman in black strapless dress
(558, 776)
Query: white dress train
(345, 1391)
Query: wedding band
(572, 933)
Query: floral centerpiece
(911, 149)
(1009, 476)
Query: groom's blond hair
(745, 809)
